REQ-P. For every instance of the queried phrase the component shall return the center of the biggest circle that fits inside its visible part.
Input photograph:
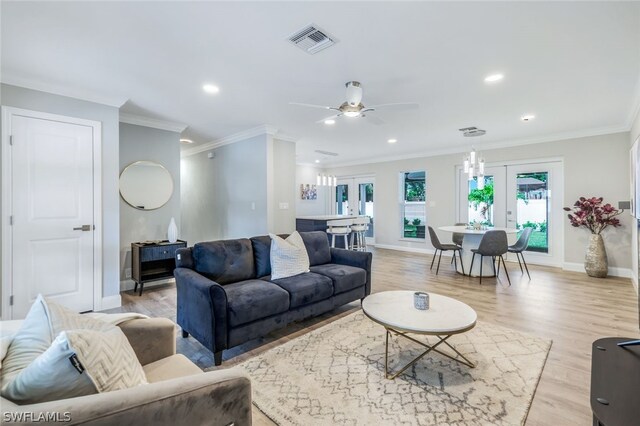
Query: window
(412, 204)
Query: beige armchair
(178, 393)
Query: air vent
(333, 154)
(471, 132)
(312, 39)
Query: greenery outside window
(413, 186)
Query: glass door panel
(486, 205)
(355, 196)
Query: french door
(520, 196)
(355, 196)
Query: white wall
(634, 134)
(307, 175)
(163, 147)
(593, 166)
(45, 102)
(282, 174)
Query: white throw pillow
(58, 372)
(288, 257)
(31, 341)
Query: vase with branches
(593, 214)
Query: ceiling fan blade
(311, 105)
(333, 117)
(397, 106)
(374, 120)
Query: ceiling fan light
(351, 113)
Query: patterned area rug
(335, 376)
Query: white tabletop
(464, 230)
(395, 309)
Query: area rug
(335, 376)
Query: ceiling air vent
(471, 132)
(333, 154)
(312, 39)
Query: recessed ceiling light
(210, 88)
(317, 161)
(527, 117)
(493, 78)
(329, 122)
(186, 141)
(392, 140)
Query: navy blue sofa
(226, 295)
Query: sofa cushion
(254, 299)
(171, 367)
(317, 245)
(344, 277)
(306, 288)
(262, 254)
(225, 261)
(288, 257)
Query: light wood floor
(570, 308)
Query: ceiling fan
(353, 106)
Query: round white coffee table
(445, 317)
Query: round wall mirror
(146, 185)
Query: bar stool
(359, 228)
(341, 228)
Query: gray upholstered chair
(520, 246)
(457, 237)
(435, 242)
(494, 244)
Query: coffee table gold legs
(460, 358)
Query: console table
(153, 261)
(615, 380)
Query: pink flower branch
(592, 214)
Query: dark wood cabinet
(615, 381)
(153, 261)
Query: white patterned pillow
(288, 257)
(58, 371)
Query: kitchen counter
(319, 223)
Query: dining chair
(435, 242)
(458, 237)
(494, 244)
(340, 228)
(520, 246)
(359, 228)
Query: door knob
(83, 228)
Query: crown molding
(486, 146)
(139, 120)
(113, 101)
(264, 129)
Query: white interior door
(52, 231)
(355, 196)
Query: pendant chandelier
(326, 180)
(474, 167)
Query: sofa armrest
(358, 259)
(220, 397)
(152, 339)
(202, 308)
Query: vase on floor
(595, 262)
(172, 231)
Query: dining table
(471, 241)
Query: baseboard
(411, 249)
(127, 285)
(110, 302)
(613, 271)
